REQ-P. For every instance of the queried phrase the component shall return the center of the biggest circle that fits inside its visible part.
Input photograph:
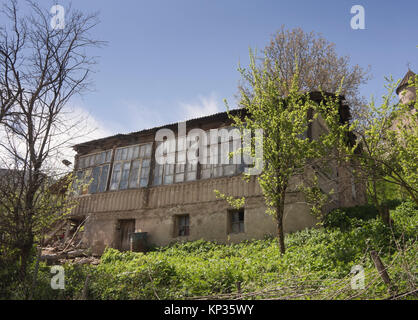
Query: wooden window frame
(159, 180)
(238, 168)
(240, 222)
(178, 231)
(120, 161)
(87, 170)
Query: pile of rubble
(79, 256)
(65, 244)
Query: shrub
(342, 217)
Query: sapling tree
(289, 156)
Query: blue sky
(167, 61)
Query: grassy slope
(317, 264)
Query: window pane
(108, 156)
(148, 150)
(157, 180)
(217, 171)
(136, 152)
(96, 177)
(169, 169)
(125, 176)
(103, 179)
(78, 182)
(158, 173)
(241, 215)
(134, 176)
(124, 153)
(146, 163)
(229, 170)
(98, 158)
(224, 155)
(142, 152)
(206, 166)
(180, 177)
(191, 176)
(183, 225)
(144, 172)
(144, 182)
(168, 179)
(237, 221)
(240, 168)
(79, 175)
(114, 185)
(180, 168)
(241, 226)
(130, 153)
(181, 157)
(205, 174)
(118, 155)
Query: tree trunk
(383, 211)
(280, 233)
(279, 218)
(25, 252)
(35, 273)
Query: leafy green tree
(287, 151)
(389, 139)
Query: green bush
(342, 217)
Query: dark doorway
(126, 227)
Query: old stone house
(130, 192)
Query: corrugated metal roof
(144, 131)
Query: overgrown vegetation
(317, 264)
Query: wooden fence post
(85, 288)
(382, 269)
(239, 289)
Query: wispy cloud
(89, 127)
(204, 106)
(75, 125)
(139, 116)
(83, 126)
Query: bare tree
(319, 65)
(41, 69)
